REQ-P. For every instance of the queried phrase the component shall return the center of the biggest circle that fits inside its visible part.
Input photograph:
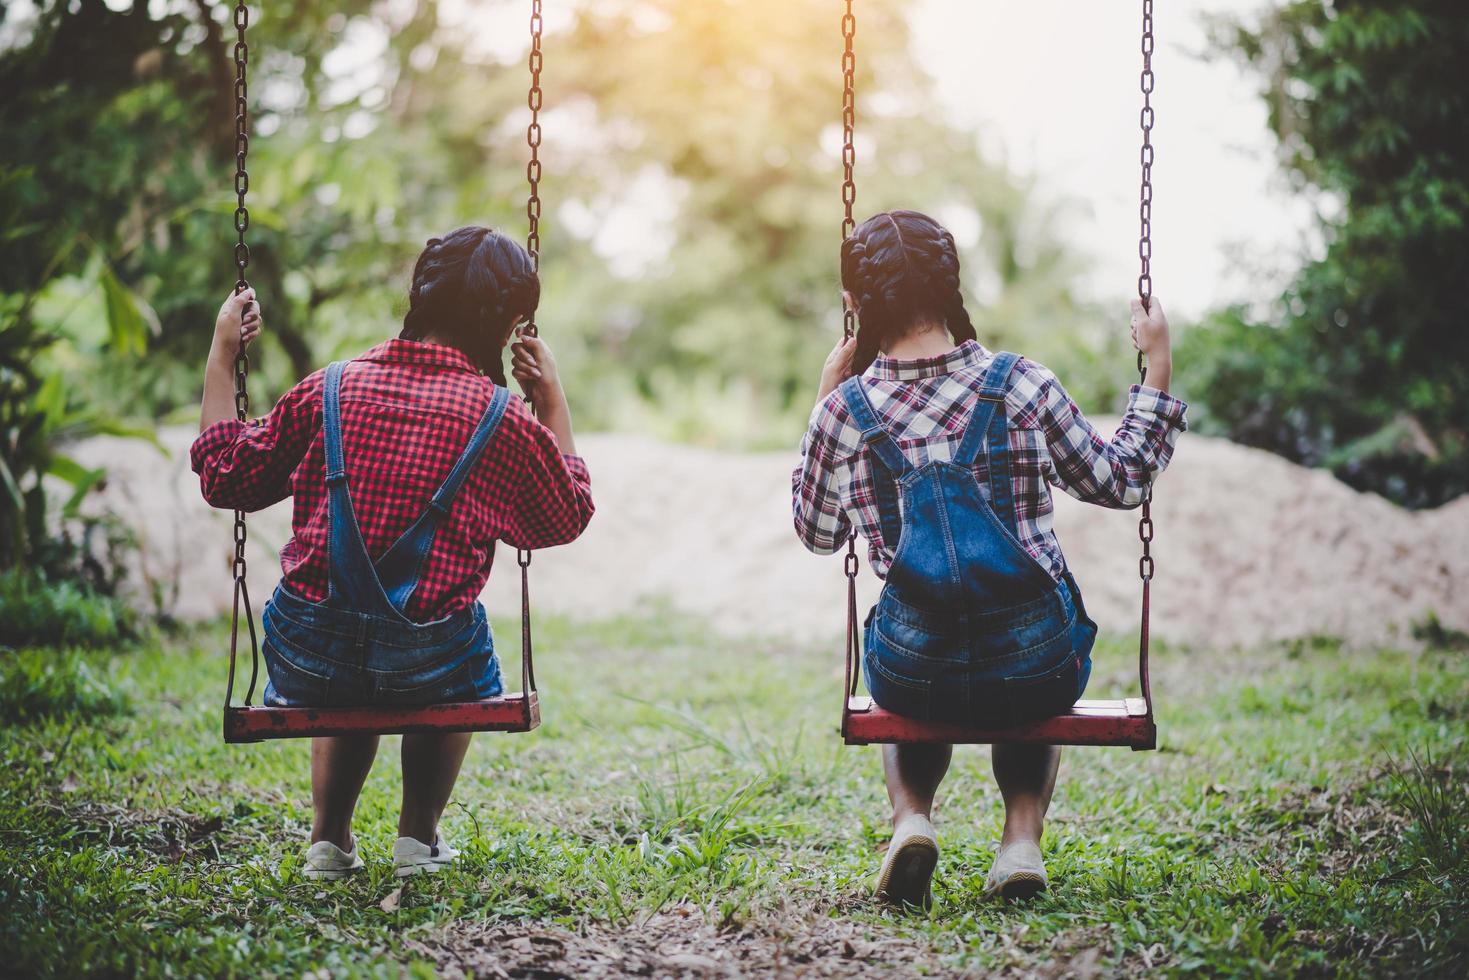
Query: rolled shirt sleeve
(1111, 472)
(248, 465)
(821, 522)
(554, 497)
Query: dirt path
(1250, 547)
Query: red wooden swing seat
(517, 712)
(510, 712)
(1127, 722)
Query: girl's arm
(236, 326)
(1115, 472)
(242, 465)
(554, 501)
(553, 489)
(533, 365)
(1150, 335)
(816, 501)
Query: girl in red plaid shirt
(405, 466)
(919, 429)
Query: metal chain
(849, 146)
(242, 250)
(1146, 566)
(533, 140)
(1145, 157)
(533, 100)
(849, 318)
(242, 360)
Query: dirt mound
(1250, 548)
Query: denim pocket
(917, 634)
(295, 681)
(896, 690)
(1045, 693)
(437, 685)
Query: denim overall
(969, 629)
(357, 647)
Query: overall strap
(988, 429)
(400, 568)
(352, 580)
(888, 462)
(489, 422)
(873, 432)
(331, 423)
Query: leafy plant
(38, 612)
(1363, 366)
(42, 684)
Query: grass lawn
(687, 809)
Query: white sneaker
(1018, 872)
(412, 856)
(907, 870)
(325, 860)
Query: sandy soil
(1250, 548)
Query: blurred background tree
(691, 187)
(1364, 365)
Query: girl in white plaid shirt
(921, 370)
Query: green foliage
(688, 791)
(691, 185)
(1364, 367)
(65, 613)
(42, 684)
(39, 416)
(1439, 804)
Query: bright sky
(1056, 94)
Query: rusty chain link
(533, 140)
(242, 360)
(849, 318)
(849, 145)
(242, 250)
(1146, 565)
(533, 100)
(1145, 158)
(242, 184)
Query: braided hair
(902, 268)
(469, 289)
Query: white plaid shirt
(925, 405)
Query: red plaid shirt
(925, 404)
(408, 411)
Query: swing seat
(517, 712)
(1126, 722)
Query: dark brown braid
(469, 289)
(902, 268)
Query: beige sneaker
(1018, 872)
(907, 869)
(412, 857)
(326, 861)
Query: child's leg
(913, 774)
(430, 767)
(1027, 775)
(339, 767)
